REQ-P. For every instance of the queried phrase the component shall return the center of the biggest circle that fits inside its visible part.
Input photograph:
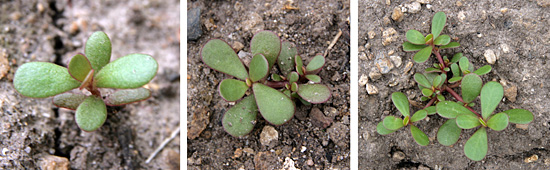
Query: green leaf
(419, 137)
(313, 78)
(98, 50)
(415, 37)
(232, 90)
(450, 45)
(299, 65)
(440, 97)
(276, 107)
(431, 70)
(455, 79)
(315, 64)
(286, 58)
(40, 80)
(421, 80)
(419, 115)
(407, 46)
(483, 70)
(491, 94)
(430, 110)
(442, 40)
(498, 121)
(79, 67)
(69, 100)
(401, 103)
(382, 130)
(451, 110)
(449, 133)
(268, 44)
(427, 92)
(467, 121)
(438, 22)
(293, 77)
(393, 123)
(437, 81)
(423, 55)
(429, 38)
(240, 119)
(294, 86)
(314, 93)
(276, 77)
(456, 57)
(476, 147)
(127, 96)
(443, 78)
(219, 56)
(471, 87)
(464, 64)
(519, 116)
(91, 114)
(258, 68)
(128, 72)
(455, 70)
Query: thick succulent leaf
(430, 110)
(450, 45)
(258, 68)
(455, 70)
(276, 77)
(69, 100)
(519, 116)
(422, 80)
(429, 38)
(268, 44)
(407, 46)
(437, 80)
(401, 103)
(128, 72)
(315, 64)
(313, 78)
(415, 37)
(440, 97)
(98, 50)
(438, 22)
(392, 122)
(40, 80)
(456, 57)
(476, 147)
(427, 92)
(423, 55)
(449, 133)
(419, 137)
(431, 70)
(442, 40)
(240, 119)
(483, 70)
(91, 114)
(419, 115)
(455, 79)
(286, 58)
(382, 130)
(293, 77)
(491, 94)
(314, 93)
(464, 64)
(471, 87)
(232, 90)
(467, 121)
(294, 86)
(451, 110)
(471, 67)
(276, 107)
(498, 121)
(299, 65)
(218, 55)
(127, 96)
(79, 67)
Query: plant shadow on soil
(517, 32)
(311, 26)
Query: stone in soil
(490, 56)
(269, 136)
(397, 14)
(52, 162)
(198, 123)
(398, 156)
(371, 34)
(363, 80)
(319, 119)
(4, 63)
(170, 159)
(194, 30)
(413, 7)
(424, 1)
(289, 164)
(396, 60)
(254, 23)
(371, 89)
(338, 133)
(511, 93)
(384, 65)
(237, 46)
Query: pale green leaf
(258, 68)
(467, 121)
(127, 96)
(128, 72)
(41, 79)
(423, 55)
(471, 87)
(69, 100)
(286, 58)
(438, 22)
(415, 37)
(314, 93)
(98, 50)
(91, 114)
(268, 44)
(449, 133)
(419, 137)
(276, 107)
(491, 94)
(79, 67)
(498, 121)
(476, 147)
(401, 103)
(219, 56)
(382, 130)
(451, 110)
(240, 119)
(407, 46)
(393, 123)
(519, 116)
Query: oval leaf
(476, 147)
(471, 87)
(98, 50)
(293, 77)
(483, 70)
(491, 94)
(91, 114)
(268, 44)
(401, 103)
(438, 22)
(449, 133)
(437, 80)
(313, 78)
(451, 110)
(128, 72)
(423, 55)
(69, 100)
(218, 55)
(286, 58)
(232, 90)
(498, 121)
(315, 64)
(240, 119)
(427, 92)
(519, 116)
(299, 64)
(467, 121)
(455, 70)
(392, 122)
(419, 137)
(421, 79)
(429, 38)
(464, 64)
(314, 93)
(450, 45)
(431, 110)
(442, 40)
(275, 107)
(407, 46)
(41, 79)
(127, 96)
(415, 37)
(382, 130)
(419, 115)
(258, 67)
(79, 67)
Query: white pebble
(490, 56)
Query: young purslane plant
(89, 71)
(442, 79)
(273, 95)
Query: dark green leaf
(456, 57)
(392, 122)
(464, 64)
(450, 45)
(240, 119)
(315, 64)
(415, 37)
(455, 70)
(438, 22)
(91, 114)
(498, 121)
(127, 96)
(442, 40)
(427, 92)
(431, 70)
(293, 77)
(449, 133)
(491, 94)
(419, 115)
(437, 81)
(471, 87)
(420, 137)
(382, 130)
(483, 70)
(440, 97)
(476, 147)
(276, 107)
(68, 100)
(79, 67)
(128, 72)
(451, 110)
(421, 80)
(455, 79)
(276, 77)
(519, 116)
(258, 68)
(423, 55)
(40, 80)
(286, 58)
(268, 44)
(401, 103)
(314, 93)
(407, 46)
(232, 90)
(313, 78)
(294, 86)
(98, 50)
(467, 121)
(218, 55)
(431, 110)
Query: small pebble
(384, 65)
(371, 34)
(371, 89)
(269, 136)
(363, 80)
(461, 15)
(505, 48)
(397, 14)
(5, 151)
(424, 1)
(53, 162)
(511, 93)
(396, 60)
(490, 56)
(237, 46)
(289, 164)
(309, 162)
(375, 75)
(238, 152)
(532, 158)
(522, 126)
(413, 7)
(398, 156)
(503, 10)
(303, 149)
(408, 67)
(248, 151)
(429, 6)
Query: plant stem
(276, 84)
(440, 59)
(455, 95)
(430, 103)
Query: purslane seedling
(443, 78)
(90, 71)
(272, 95)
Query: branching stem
(457, 97)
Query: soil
(312, 25)
(516, 31)
(53, 31)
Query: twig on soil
(333, 42)
(163, 144)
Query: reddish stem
(430, 103)
(455, 95)
(275, 84)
